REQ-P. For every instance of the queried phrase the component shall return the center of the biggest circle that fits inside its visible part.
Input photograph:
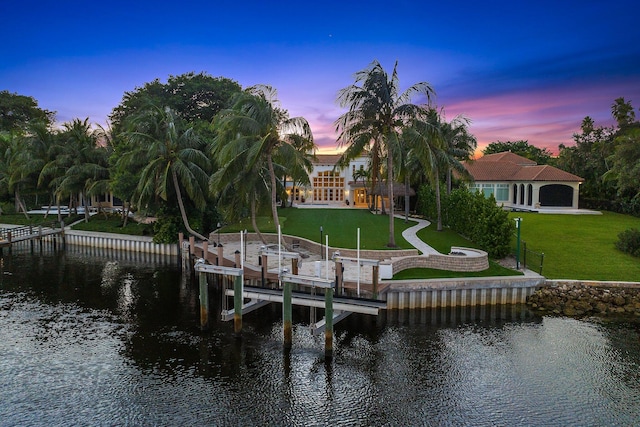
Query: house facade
(330, 185)
(519, 183)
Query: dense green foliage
(473, 216)
(629, 242)
(608, 158)
(18, 111)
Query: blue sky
(517, 70)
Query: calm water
(95, 340)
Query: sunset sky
(518, 70)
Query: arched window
(522, 194)
(515, 193)
(530, 195)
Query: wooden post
(263, 264)
(286, 315)
(328, 326)
(237, 306)
(40, 236)
(204, 302)
(205, 250)
(339, 284)
(31, 237)
(238, 259)
(375, 281)
(294, 266)
(192, 245)
(64, 239)
(219, 259)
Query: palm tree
(11, 176)
(460, 145)
(83, 160)
(377, 114)
(173, 160)
(262, 135)
(430, 141)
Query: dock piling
(287, 315)
(204, 302)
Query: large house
(519, 183)
(330, 185)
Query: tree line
(199, 150)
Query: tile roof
(327, 159)
(508, 166)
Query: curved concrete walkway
(410, 236)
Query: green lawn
(35, 219)
(581, 246)
(443, 240)
(340, 224)
(113, 224)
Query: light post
(518, 221)
(321, 254)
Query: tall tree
(255, 129)
(83, 161)
(17, 111)
(522, 148)
(174, 160)
(377, 114)
(195, 98)
(460, 145)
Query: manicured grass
(581, 246)
(20, 219)
(443, 240)
(431, 273)
(340, 224)
(113, 224)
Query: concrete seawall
(437, 293)
(125, 242)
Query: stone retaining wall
(587, 298)
(472, 260)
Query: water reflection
(99, 340)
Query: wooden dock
(11, 236)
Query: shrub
(473, 216)
(629, 242)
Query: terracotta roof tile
(327, 159)
(508, 166)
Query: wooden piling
(205, 250)
(376, 270)
(237, 306)
(294, 266)
(192, 245)
(339, 273)
(220, 258)
(204, 302)
(263, 270)
(287, 315)
(328, 328)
